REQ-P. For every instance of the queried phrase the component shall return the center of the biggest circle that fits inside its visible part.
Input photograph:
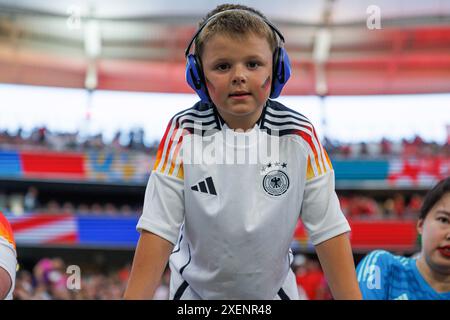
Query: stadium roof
(336, 47)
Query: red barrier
(54, 165)
(368, 235)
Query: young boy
(232, 223)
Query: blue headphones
(281, 65)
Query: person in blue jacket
(384, 276)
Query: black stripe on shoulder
(201, 106)
(275, 105)
(296, 125)
(284, 117)
(195, 107)
(186, 121)
(191, 115)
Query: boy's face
(435, 231)
(238, 74)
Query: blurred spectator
(83, 209)
(363, 207)
(110, 209)
(68, 207)
(3, 201)
(413, 209)
(116, 141)
(299, 268)
(31, 199)
(24, 286)
(53, 207)
(126, 210)
(311, 278)
(363, 151)
(41, 135)
(399, 205)
(388, 209)
(96, 209)
(136, 139)
(16, 204)
(124, 273)
(386, 147)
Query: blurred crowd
(49, 280)
(45, 139)
(397, 206)
(415, 147)
(19, 204)
(354, 205)
(53, 279)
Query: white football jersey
(229, 202)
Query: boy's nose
(238, 80)
(239, 76)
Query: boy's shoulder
(288, 122)
(201, 116)
(278, 116)
(276, 108)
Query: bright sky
(350, 119)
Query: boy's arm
(162, 215)
(150, 260)
(5, 283)
(336, 259)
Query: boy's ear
(419, 226)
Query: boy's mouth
(239, 94)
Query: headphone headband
(270, 24)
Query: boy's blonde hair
(234, 23)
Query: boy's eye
(253, 64)
(223, 66)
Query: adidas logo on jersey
(402, 297)
(205, 186)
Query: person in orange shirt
(8, 259)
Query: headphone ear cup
(195, 79)
(281, 71)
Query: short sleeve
(373, 274)
(163, 211)
(321, 212)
